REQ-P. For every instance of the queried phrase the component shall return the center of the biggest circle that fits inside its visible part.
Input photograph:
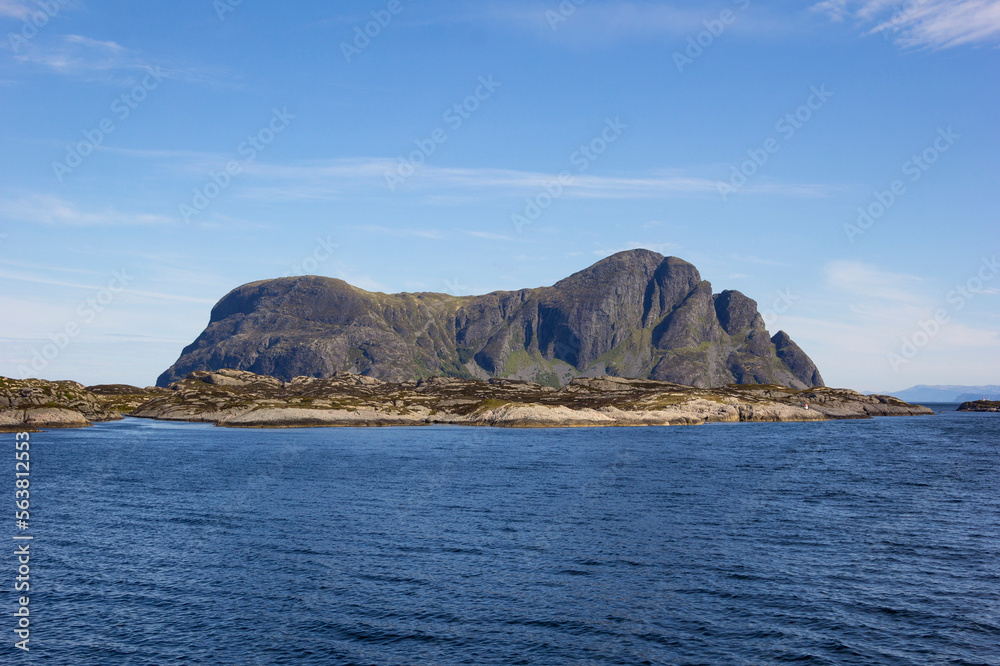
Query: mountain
(948, 393)
(634, 314)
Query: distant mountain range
(635, 314)
(948, 393)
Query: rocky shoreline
(239, 399)
(30, 404)
(980, 406)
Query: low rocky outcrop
(31, 404)
(980, 406)
(635, 314)
(239, 398)
(123, 398)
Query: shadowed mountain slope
(634, 314)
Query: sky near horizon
(836, 161)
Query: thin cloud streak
(432, 234)
(336, 178)
(17, 9)
(53, 211)
(598, 24)
(856, 278)
(331, 180)
(485, 235)
(934, 24)
(92, 59)
(159, 296)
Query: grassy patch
(490, 403)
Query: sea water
(851, 542)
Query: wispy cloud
(600, 24)
(76, 54)
(936, 24)
(862, 343)
(485, 235)
(18, 9)
(156, 296)
(94, 59)
(23, 9)
(336, 178)
(52, 210)
(863, 312)
(47, 267)
(432, 234)
(179, 298)
(603, 23)
(36, 279)
(854, 278)
(751, 259)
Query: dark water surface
(852, 542)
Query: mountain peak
(633, 314)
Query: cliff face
(635, 314)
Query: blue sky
(157, 155)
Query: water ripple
(830, 543)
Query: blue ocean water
(853, 542)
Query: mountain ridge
(949, 393)
(633, 314)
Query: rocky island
(241, 399)
(635, 339)
(980, 406)
(26, 405)
(237, 398)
